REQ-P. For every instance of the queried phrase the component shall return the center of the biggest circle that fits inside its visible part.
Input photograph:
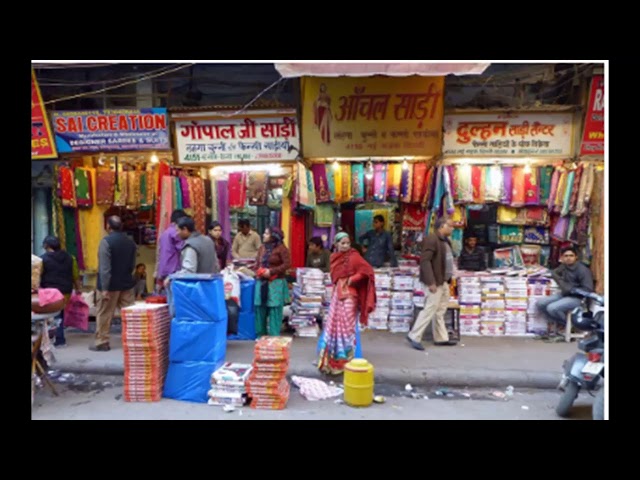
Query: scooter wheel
(566, 401)
(597, 411)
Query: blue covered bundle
(197, 341)
(199, 297)
(189, 381)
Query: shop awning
(289, 70)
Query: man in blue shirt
(379, 245)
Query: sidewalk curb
(449, 377)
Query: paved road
(100, 398)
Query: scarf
(507, 185)
(357, 182)
(406, 184)
(323, 195)
(346, 264)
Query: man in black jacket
(117, 261)
(472, 257)
(571, 274)
(59, 271)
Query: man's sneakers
(414, 344)
(103, 347)
(448, 343)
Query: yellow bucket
(358, 383)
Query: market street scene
(318, 240)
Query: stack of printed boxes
(308, 296)
(493, 306)
(328, 294)
(516, 305)
(401, 313)
(228, 385)
(267, 384)
(145, 341)
(470, 300)
(538, 288)
(379, 318)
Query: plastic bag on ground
(76, 313)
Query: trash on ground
(338, 402)
(408, 387)
(229, 408)
(450, 395)
(462, 344)
(314, 389)
(499, 394)
(467, 395)
(426, 397)
(239, 413)
(415, 395)
(509, 391)
(524, 407)
(379, 399)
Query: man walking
(436, 270)
(116, 263)
(169, 247)
(571, 274)
(246, 243)
(379, 245)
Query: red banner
(593, 136)
(42, 144)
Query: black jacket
(117, 261)
(57, 271)
(472, 262)
(576, 276)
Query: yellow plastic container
(358, 383)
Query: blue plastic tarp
(197, 341)
(247, 291)
(189, 381)
(246, 327)
(199, 298)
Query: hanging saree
(575, 191)
(493, 184)
(429, 188)
(585, 188)
(363, 223)
(185, 190)
(559, 231)
(518, 187)
(465, 186)
(258, 188)
(453, 180)
(312, 190)
(224, 214)
(331, 182)
(58, 215)
(323, 215)
(545, 174)
(67, 187)
(214, 198)
(380, 182)
(196, 189)
(133, 190)
(298, 240)
(394, 177)
(507, 185)
(413, 217)
(459, 217)
(120, 193)
(531, 187)
(346, 182)
(104, 186)
(406, 183)
(237, 190)
(562, 188)
(448, 190)
(553, 189)
(337, 182)
(320, 181)
(83, 188)
(91, 223)
(566, 199)
(177, 193)
(438, 190)
(536, 216)
(419, 174)
(163, 170)
(357, 182)
(478, 175)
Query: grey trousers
(556, 307)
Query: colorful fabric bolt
(413, 217)
(357, 182)
(106, 184)
(331, 182)
(545, 174)
(406, 183)
(67, 187)
(493, 185)
(419, 177)
(346, 182)
(553, 189)
(83, 188)
(237, 190)
(184, 187)
(394, 177)
(380, 182)
(507, 185)
(575, 191)
(323, 215)
(532, 187)
(518, 188)
(566, 198)
(323, 195)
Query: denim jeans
(60, 340)
(556, 307)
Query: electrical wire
(106, 89)
(43, 82)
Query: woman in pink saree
(322, 114)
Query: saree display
(464, 193)
(357, 182)
(394, 177)
(83, 193)
(237, 190)
(419, 174)
(406, 183)
(67, 187)
(380, 182)
(413, 217)
(323, 194)
(105, 186)
(258, 188)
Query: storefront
(109, 164)
(247, 159)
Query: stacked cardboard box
(267, 384)
(145, 341)
(492, 317)
(470, 300)
(228, 385)
(538, 288)
(379, 318)
(516, 303)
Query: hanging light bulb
(154, 158)
(369, 173)
(527, 168)
(212, 171)
(405, 165)
(336, 165)
(101, 160)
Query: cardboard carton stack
(228, 385)
(492, 317)
(516, 303)
(267, 385)
(308, 297)
(470, 300)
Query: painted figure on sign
(322, 114)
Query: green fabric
(81, 184)
(76, 272)
(545, 184)
(278, 293)
(71, 245)
(144, 203)
(273, 326)
(567, 194)
(177, 194)
(323, 215)
(511, 234)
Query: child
(140, 276)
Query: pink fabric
(47, 296)
(313, 389)
(186, 193)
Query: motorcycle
(585, 370)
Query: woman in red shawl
(354, 291)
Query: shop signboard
(593, 135)
(42, 144)
(508, 134)
(258, 136)
(372, 116)
(111, 130)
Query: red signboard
(42, 144)
(593, 136)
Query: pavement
(474, 362)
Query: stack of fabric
(401, 313)
(228, 385)
(267, 385)
(516, 303)
(145, 342)
(308, 297)
(470, 300)
(538, 288)
(493, 306)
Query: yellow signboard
(372, 116)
